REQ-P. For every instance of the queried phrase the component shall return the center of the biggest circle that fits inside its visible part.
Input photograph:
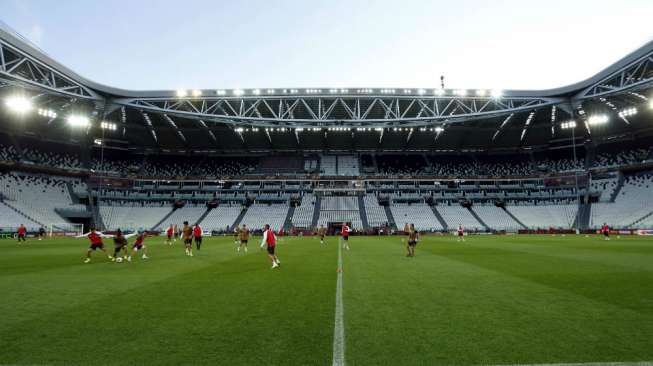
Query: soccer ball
(119, 259)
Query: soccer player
(461, 233)
(321, 232)
(138, 245)
(95, 237)
(270, 240)
(345, 236)
(606, 231)
(176, 231)
(244, 238)
(197, 234)
(22, 233)
(41, 233)
(119, 243)
(169, 233)
(187, 235)
(237, 236)
(413, 237)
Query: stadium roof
(335, 119)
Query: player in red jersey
(169, 234)
(270, 240)
(345, 236)
(197, 235)
(606, 231)
(95, 237)
(22, 233)
(461, 233)
(138, 245)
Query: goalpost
(65, 229)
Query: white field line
(338, 327)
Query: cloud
(35, 34)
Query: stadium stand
(328, 165)
(376, 216)
(303, 215)
(634, 202)
(133, 215)
(455, 215)
(419, 214)
(221, 218)
(258, 215)
(191, 213)
(558, 216)
(496, 218)
(348, 165)
(340, 209)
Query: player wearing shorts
(606, 231)
(95, 237)
(139, 246)
(413, 237)
(187, 235)
(41, 233)
(22, 233)
(119, 244)
(345, 236)
(169, 233)
(175, 232)
(244, 238)
(461, 233)
(197, 235)
(321, 232)
(237, 236)
(270, 240)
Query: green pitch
(491, 300)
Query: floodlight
(19, 104)
(496, 93)
(481, 92)
(439, 92)
(78, 121)
(197, 93)
(238, 92)
(599, 119)
(439, 129)
(461, 92)
(182, 93)
(256, 92)
(567, 125)
(628, 112)
(220, 92)
(650, 105)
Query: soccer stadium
(324, 225)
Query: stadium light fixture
(238, 92)
(439, 92)
(256, 91)
(19, 104)
(439, 129)
(47, 113)
(461, 92)
(567, 125)
(481, 92)
(196, 93)
(496, 93)
(628, 112)
(650, 104)
(599, 119)
(181, 93)
(270, 91)
(220, 92)
(78, 121)
(239, 130)
(108, 126)
(421, 92)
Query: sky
(211, 44)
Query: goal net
(65, 229)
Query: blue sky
(148, 44)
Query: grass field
(491, 300)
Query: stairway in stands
(439, 217)
(238, 219)
(391, 219)
(316, 211)
(201, 218)
(620, 184)
(582, 220)
(515, 218)
(287, 224)
(164, 218)
(361, 209)
(478, 218)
